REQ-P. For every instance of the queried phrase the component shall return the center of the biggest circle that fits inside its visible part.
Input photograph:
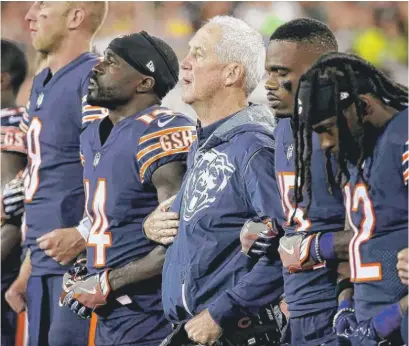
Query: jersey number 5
(98, 238)
(286, 182)
(361, 272)
(32, 179)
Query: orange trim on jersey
(406, 175)
(146, 165)
(82, 158)
(20, 331)
(33, 170)
(405, 157)
(146, 118)
(145, 138)
(147, 150)
(285, 196)
(360, 231)
(8, 112)
(86, 191)
(162, 111)
(23, 127)
(92, 329)
(14, 148)
(100, 230)
(91, 108)
(5, 129)
(92, 118)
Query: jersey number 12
(361, 272)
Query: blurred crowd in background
(375, 30)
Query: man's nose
(272, 84)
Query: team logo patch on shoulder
(290, 151)
(97, 157)
(40, 99)
(209, 177)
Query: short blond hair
(95, 13)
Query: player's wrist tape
(339, 313)
(317, 248)
(322, 248)
(104, 282)
(84, 227)
(343, 285)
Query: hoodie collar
(253, 118)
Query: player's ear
(233, 73)
(367, 104)
(146, 85)
(5, 80)
(75, 17)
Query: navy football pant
(128, 325)
(48, 323)
(313, 330)
(8, 321)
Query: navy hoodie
(230, 178)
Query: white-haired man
(230, 178)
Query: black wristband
(343, 285)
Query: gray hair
(242, 44)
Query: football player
(361, 116)
(13, 160)
(133, 159)
(54, 194)
(311, 216)
(402, 267)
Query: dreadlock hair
(353, 75)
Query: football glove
(362, 334)
(257, 238)
(76, 272)
(294, 251)
(382, 329)
(344, 322)
(86, 294)
(13, 197)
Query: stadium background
(375, 30)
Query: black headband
(325, 98)
(141, 52)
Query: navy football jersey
(118, 180)
(378, 213)
(54, 194)
(12, 141)
(314, 290)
